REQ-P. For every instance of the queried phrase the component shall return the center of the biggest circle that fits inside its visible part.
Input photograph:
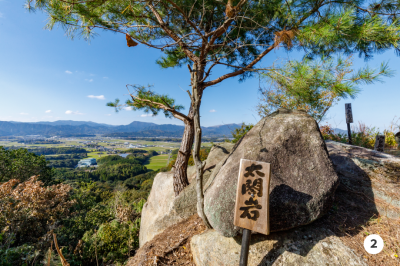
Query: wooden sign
(379, 143)
(349, 113)
(252, 197)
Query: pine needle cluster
(315, 85)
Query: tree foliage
(57, 150)
(148, 101)
(238, 133)
(315, 85)
(21, 164)
(187, 30)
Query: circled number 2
(373, 244)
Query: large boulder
(316, 246)
(303, 179)
(185, 204)
(163, 209)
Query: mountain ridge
(69, 127)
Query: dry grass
(352, 220)
(172, 247)
(385, 227)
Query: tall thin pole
(349, 134)
(244, 253)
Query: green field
(157, 162)
(96, 154)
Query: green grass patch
(96, 154)
(157, 162)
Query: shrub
(117, 239)
(21, 255)
(146, 185)
(114, 241)
(362, 136)
(29, 210)
(328, 134)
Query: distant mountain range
(339, 131)
(134, 129)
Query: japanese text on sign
(252, 197)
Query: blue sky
(45, 76)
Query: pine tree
(315, 85)
(201, 35)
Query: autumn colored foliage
(29, 210)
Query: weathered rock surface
(163, 209)
(156, 213)
(373, 175)
(303, 179)
(185, 205)
(310, 246)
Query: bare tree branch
(172, 34)
(241, 71)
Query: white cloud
(128, 108)
(108, 114)
(145, 115)
(89, 80)
(92, 75)
(1, 15)
(23, 113)
(69, 112)
(105, 77)
(68, 72)
(100, 97)
(48, 112)
(212, 111)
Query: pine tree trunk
(197, 93)
(181, 163)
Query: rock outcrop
(186, 202)
(311, 246)
(371, 174)
(303, 179)
(163, 209)
(156, 213)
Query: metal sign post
(252, 202)
(349, 119)
(244, 252)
